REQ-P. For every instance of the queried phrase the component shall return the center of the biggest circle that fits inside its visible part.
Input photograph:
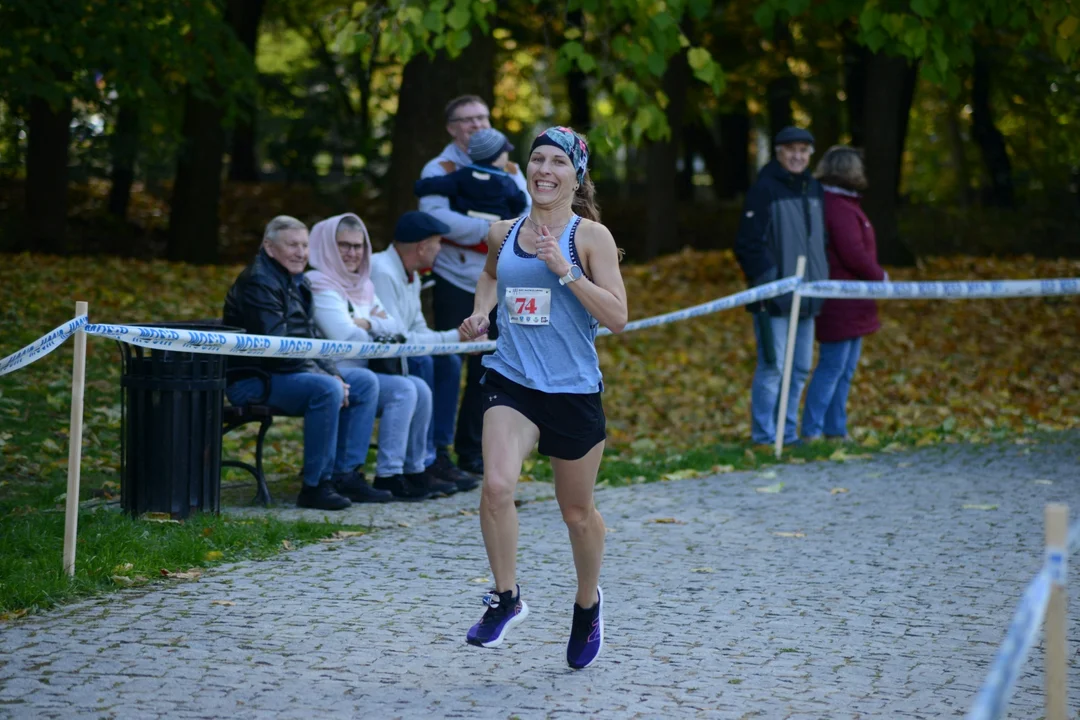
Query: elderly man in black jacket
(272, 297)
(783, 217)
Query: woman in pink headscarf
(346, 308)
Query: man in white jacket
(394, 273)
(457, 269)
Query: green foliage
(145, 50)
(940, 33)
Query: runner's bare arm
(487, 286)
(604, 295)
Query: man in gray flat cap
(783, 217)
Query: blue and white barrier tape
(42, 346)
(227, 343)
(993, 697)
(847, 289)
(267, 346)
(224, 343)
(753, 295)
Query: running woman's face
(552, 178)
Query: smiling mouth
(545, 185)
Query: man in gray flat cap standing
(783, 218)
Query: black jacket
(783, 217)
(267, 300)
(481, 188)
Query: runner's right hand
(473, 327)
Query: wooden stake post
(78, 381)
(1054, 629)
(789, 357)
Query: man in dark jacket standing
(272, 297)
(783, 218)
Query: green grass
(114, 545)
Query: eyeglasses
(471, 118)
(345, 248)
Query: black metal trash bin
(170, 427)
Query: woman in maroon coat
(852, 255)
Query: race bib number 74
(528, 306)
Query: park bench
(236, 416)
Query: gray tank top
(546, 336)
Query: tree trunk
(244, 16)
(855, 58)
(781, 91)
(991, 141)
(419, 131)
(959, 157)
(124, 147)
(734, 153)
(576, 87)
(662, 214)
(685, 184)
(887, 106)
(47, 175)
(194, 219)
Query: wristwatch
(575, 273)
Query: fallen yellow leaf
(192, 574)
(122, 580)
(667, 521)
(774, 488)
(286, 545)
(979, 507)
(789, 534)
(707, 570)
(838, 490)
(213, 555)
(684, 474)
(225, 603)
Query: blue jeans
(336, 438)
(442, 373)
(404, 420)
(826, 397)
(765, 391)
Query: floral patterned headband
(570, 142)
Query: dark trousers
(452, 305)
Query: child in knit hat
(482, 189)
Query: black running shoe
(586, 634)
(505, 610)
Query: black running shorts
(571, 424)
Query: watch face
(575, 272)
